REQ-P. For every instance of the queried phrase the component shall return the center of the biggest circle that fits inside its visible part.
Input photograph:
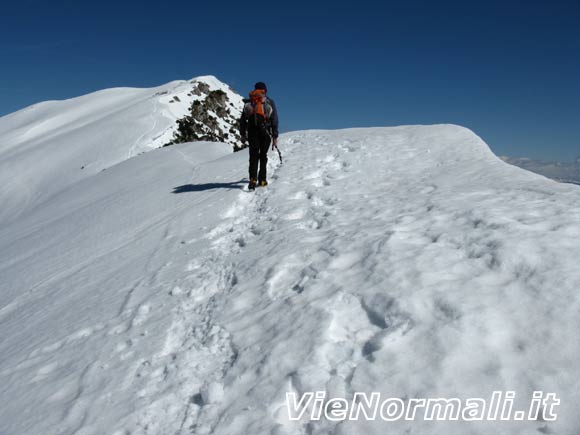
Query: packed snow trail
(408, 261)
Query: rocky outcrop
(213, 116)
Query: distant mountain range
(564, 172)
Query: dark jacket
(274, 119)
(272, 125)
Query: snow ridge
(408, 261)
(47, 147)
(295, 297)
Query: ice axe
(274, 145)
(277, 149)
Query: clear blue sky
(509, 70)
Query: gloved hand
(274, 143)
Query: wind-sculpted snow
(408, 261)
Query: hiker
(259, 126)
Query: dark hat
(261, 85)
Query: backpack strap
(268, 108)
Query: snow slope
(159, 297)
(47, 147)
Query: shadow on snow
(209, 186)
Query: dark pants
(258, 153)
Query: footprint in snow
(141, 315)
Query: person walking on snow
(259, 126)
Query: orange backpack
(257, 98)
(259, 105)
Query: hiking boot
(263, 183)
(252, 184)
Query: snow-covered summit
(160, 297)
(49, 146)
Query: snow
(49, 146)
(160, 297)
